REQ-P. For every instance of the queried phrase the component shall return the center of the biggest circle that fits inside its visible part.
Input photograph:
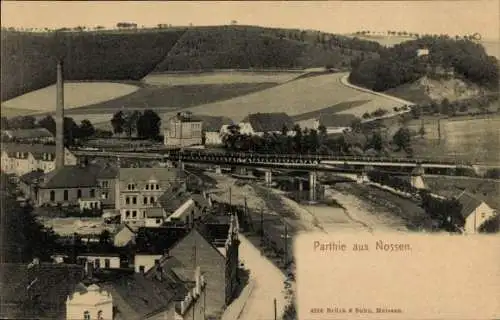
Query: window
(145, 200)
(97, 263)
(151, 200)
(157, 261)
(127, 200)
(92, 193)
(147, 186)
(105, 184)
(127, 214)
(86, 315)
(66, 195)
(52, 195)
(158, 221)
(141, 269)
(131, 186)
(157, 187)
(99, 315)
(107, 263)
(134, 214)
(79, 193)
(104, 195)
(483, 215)
(134, 200)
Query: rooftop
(469, 203)
(32, 177)
(72, 177)
(146, 174)
(158, 240)
(269, 122)
(137, 297)
(29, 147)
(29, 133)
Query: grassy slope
(28, 59)
(167, 98)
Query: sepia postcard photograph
(250, 160)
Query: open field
(476, 139)
(296, 98)
(225, 77)
(170, 98)
(76, 94)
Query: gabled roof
(146, 174)
(268, 122)
(171, 201)
(28, 147)
(72, 177)
(32, 177)
(469, 203)
(30, 133)
(137, 297)
(158, 240)
(37, 292)
(213, 123)
(336, 120)
(200, 200)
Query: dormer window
(86, 315)
(131, 186)
(157, 186)
(147, 186)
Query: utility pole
(230, 202)
(439, 131)
(286, 244)
(275, 310)
(261, 229)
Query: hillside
(246, 47)
(426, 90)
(399, 65)
(28, 59)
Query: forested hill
(244, 47)
(400, 64)
(28, 59)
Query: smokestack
(60, 116)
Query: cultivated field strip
(296, 98)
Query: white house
(143, 262)
(422, 52)
(89, 204)
(124, 235)
(213, 129)
(90, 302)
(100, 261)
(155, 217)
(475, 212)
(259, 123)
(334, 123)
(185, 213)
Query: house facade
(139, 189)
(475, 212)
(20, 159)
(183, 130)
(100, 261)
(92, 302)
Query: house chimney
(197, 274)
(60, 116)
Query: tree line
(24, 238)
(145, 125)
(399, 65)
(311, 141)
(471, 106)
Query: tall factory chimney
(60, 116)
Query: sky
(450, 17)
